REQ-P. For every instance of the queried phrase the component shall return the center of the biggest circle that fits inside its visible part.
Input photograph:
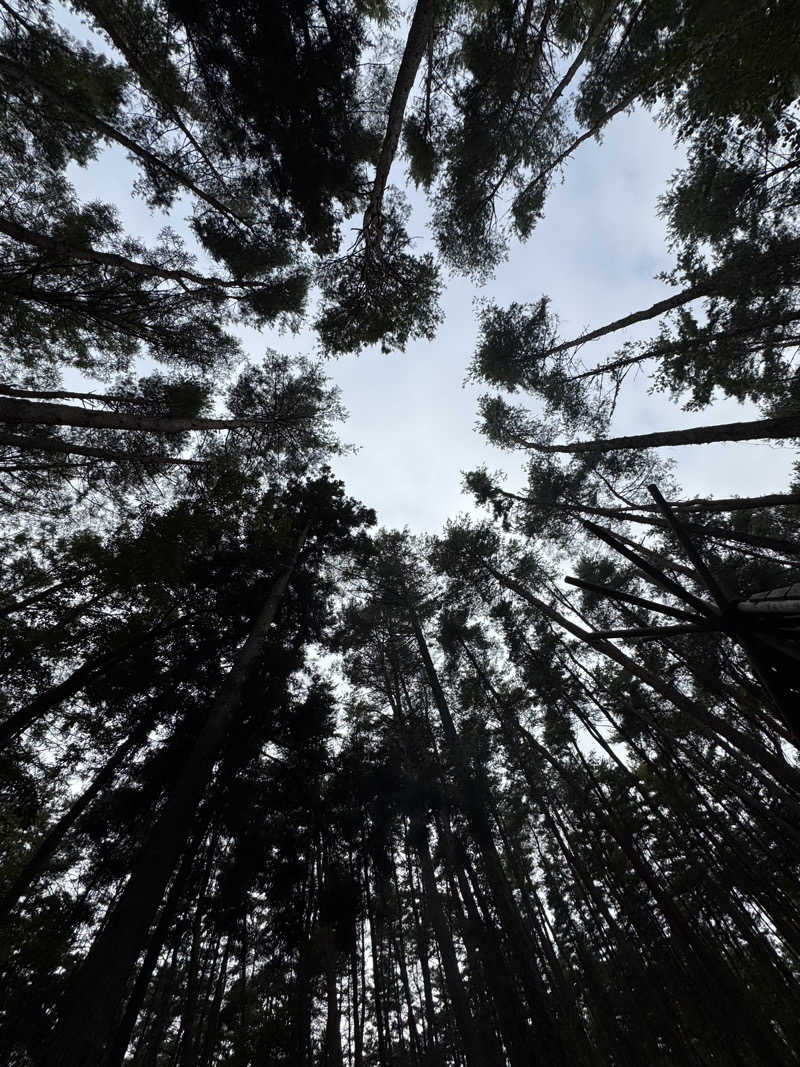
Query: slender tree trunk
(400, 951)
(122, 1036)
(595, 30)
(416, 43)
(65, 394)
(594, 129)
(715, 284)
(629, 514)
(381, 1023)
(24, 717)
(212, 1029)
(716, 533)
(499, 989)
(705, 722)
(332, 1049)
(149, 1042)
(774, 429)
(36, 443)
(41, 413)
(190, 1024)
(519, 942)
(105, 18)
(735, 503)
(111, 133)
(354, 986)
(91, 1004)
(41, 855)
(452, 976)
(423, 950)
(67, 252)
(659, 308)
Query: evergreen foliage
(280, 787)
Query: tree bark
(626, 102)
(452, 975)
(51, 842)
(734, 503)
(124, 1031)
(84, 253)
(416, 43)
(600, 22)
(53, 444)
(706, 723)
(24, 717)
(109, 132)
(332, 1048)
(91, 1004)
(27, 412)
(520, 945)
(776, 428)
(713, 286)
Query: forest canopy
(281, 785)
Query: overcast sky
(596, 254)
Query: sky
(596, 254)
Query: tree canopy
(279, 785)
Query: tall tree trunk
(149, 1043)
(519, 942)
(190, 1026)
(212, 1029)
(24, 717)
(452, 976)
(595, 29)
(715, 284)
(499, 990)
(627, 101)
(708, 724)
(381, 1020)
(416, 42)
(416, 1045)
(124, 1031)
(65, 251)
(774, 429)
(423, 949)
(91, 1004)
(109, 132)
(42, 413)
(629, 514)
(38, 443)
(42, 853)
(332, 1047)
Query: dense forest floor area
(284, 787)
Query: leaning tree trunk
(716, 283)
(519, 942)
(465, 1024)
(90, 1009)
(41, 855)
(39, 443)
(41, 413)
(707, 724)
(124, 1031)
(82, 117)
(416, 42)
(26, 716)
(777, 428)
(61, 249)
